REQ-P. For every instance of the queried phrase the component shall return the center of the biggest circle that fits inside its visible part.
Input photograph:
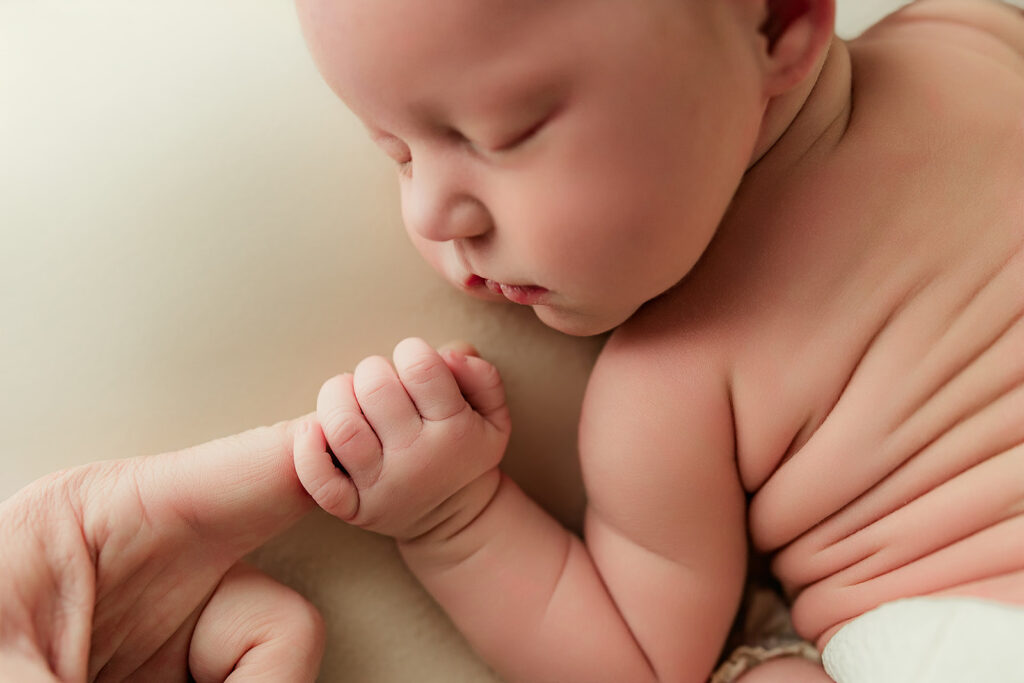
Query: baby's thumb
(481, 385)
(459, 346)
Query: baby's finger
(459, 346)
(352, 440)
(326, 484)
(385, 403)
(427, 380)
(481, 384)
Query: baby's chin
(577, 324)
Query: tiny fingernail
(303, 426)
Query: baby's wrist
(451, 529)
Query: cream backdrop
(195, 234)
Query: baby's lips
(474, 285)
(525, 295)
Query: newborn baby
(812, 255)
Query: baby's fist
(412, 444)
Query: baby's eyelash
(396, 150)
(524, 135)
(405, 164)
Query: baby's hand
(413, 450)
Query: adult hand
(129, 569)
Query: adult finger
(239, 490)
(256, 629)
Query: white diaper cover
(930, 640)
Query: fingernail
(303, 426)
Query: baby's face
(571, 155)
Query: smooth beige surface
(194, 234)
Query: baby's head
(572, 155)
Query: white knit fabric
(930, 640)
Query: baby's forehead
(397, 47)
(417, 20)
(460, 59)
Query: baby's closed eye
(520, 135)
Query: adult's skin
(130, 569)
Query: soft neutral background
(194, 234)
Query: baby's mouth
(526, 295)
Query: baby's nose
(441, 219)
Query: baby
(812, 255)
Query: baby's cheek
(431, 252)
(442, 258)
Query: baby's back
(873, 304)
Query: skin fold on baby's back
(868, 297)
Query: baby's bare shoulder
(940, 67)
(659, 382)
(988, 26)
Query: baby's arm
(653, 593)
(666, 521)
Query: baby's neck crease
(817, 112)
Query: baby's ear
(796, 32)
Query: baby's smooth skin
(811, 254)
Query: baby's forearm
(526, 594)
